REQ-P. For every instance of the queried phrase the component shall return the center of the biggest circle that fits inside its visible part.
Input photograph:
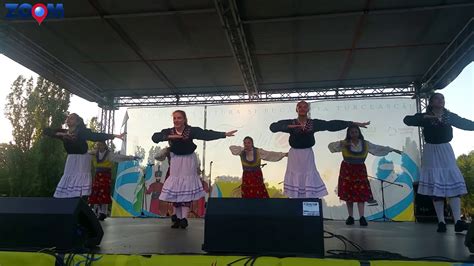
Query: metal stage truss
(264, 96)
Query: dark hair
(79, 124)
(184, 116)
(80, 121)
(429, 108)
(348, 137)
(103, 142)
(249, 138)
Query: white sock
(103, 208)
(455, 204)
(177, 211)
(185, 211)
(439, 208)
(95, 209)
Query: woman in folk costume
(76, 180)
(103, 161)
(252, 177)
(154, 189)
(183, 185)
(353, 185)
(440, 176)
(302, 179)
(164, 154)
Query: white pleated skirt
(440, 175)
(302, 179)
(77, 179)
(183, 184)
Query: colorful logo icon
(38, 12)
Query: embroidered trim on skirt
(253, 186)
(302, 179)
(440, 175)
(353, 185)
(183, 184)
(100, 193)
(76, 180)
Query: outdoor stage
(151, 241)
(409, 239)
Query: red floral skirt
(353, 184)
(101, 188)
(253, 186)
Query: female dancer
(353, 185)
(302, 179)
(103, 161)
(183, 184)
(440, 176)
(251, 158)
(76, 180)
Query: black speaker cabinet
(32, 223)
(424, 209)
(469, 240)
(264, 227)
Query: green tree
(51, 102)
(19, 110)
(4, 185)
(94, 125)
(33, 164)
(466, 165)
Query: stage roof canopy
(103, 49)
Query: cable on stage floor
(362, 254)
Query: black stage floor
(414, 240)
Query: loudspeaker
(32, 223)
(264, 226)
(424, 209)
(469, 240)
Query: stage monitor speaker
(469, 240)
(424, 209)
(34, 223)
(275, 227)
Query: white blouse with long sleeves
(374, 149)
(270, 156)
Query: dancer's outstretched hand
(230, 133)
(121, 136)
(361, 124)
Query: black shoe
(441, 227)
(174, 218)
(362, 221)
(183, 223)
(461, 226)
(176, 223)
(102, 216)
(350, 220)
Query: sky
(11, 70)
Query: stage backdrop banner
(386, 128)
(129, 193)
